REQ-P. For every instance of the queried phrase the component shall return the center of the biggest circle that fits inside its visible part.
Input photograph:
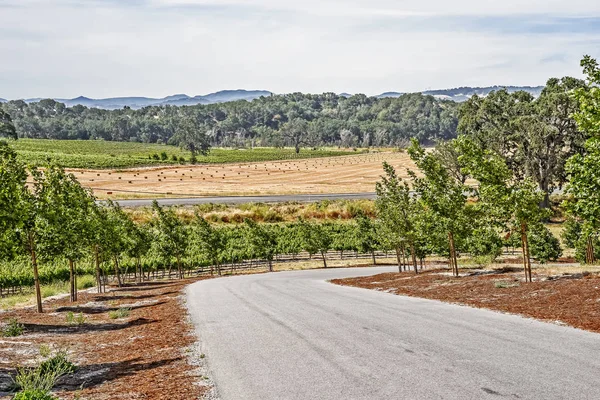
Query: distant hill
(457, 94)
(464, 93)
(389, 94)
(3, 100)
(174, 100)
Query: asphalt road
(306, 198)
(292, 335)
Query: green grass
(53, 289)
(103, 154)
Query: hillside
(114, 103)
(456, 94)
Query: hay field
(342, 174)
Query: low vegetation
(97, 154)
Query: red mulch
(575, 302)
(142, 356)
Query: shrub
(75, 319)
(86, 282)
(164, 156)
(174, 158)
(44, 377)
(505, 284)
(120, 313)
(181, 160)
(13, 328)
(34, 395)
(543, 245)
(155, 156)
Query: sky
(155, 48)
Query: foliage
(7, 128)
(295, 119)
(534, 136)
(34, 394)
(12, 328)
(543, 245)
(44, 377)
(122, 312)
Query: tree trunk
(453, 258)
(97, 262)
(398, 257)
(270, 265)
(403, 258)
(414, 257)
(297, 148)
(72, 283)
(525, 248)
(324, 259)
(140, 273)
(117, 273)
(218, 268)
(589, 255)
(36, 275)
(373, 256)
(179, 270)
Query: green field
(103, 154)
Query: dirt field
(572, 300)
(142, 356)
(343, 174)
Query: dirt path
(574, 302)
(144, 355)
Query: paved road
(292, 335)
(307, 198)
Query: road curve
(304, 198)
(292, 335)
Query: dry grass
(344, 174)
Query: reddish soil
(574, 302)
(142, 356)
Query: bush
(164, 156)
(34, 395)
(155, 156)
(75, 319)
(44, 377)
(120, 313)
(543, 245)
(12, 328)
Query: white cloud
(68, 48)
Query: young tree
(443, 196)
(63, 226)
(584, 182)
(171, 235)
(397, 210)
(316, 238)
(507, 200)
(262, 240)
(211, 241)
(366, 236)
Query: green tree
(192, 137)
(295, 133)
(397, 209)
(584, 182)
(211, 242)
(262, 241)
(7, 128)
(366, 236)
(505, 199)
(171, 235)
(443, 196)
(534, 136)
(316, 238)
(63, 228)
